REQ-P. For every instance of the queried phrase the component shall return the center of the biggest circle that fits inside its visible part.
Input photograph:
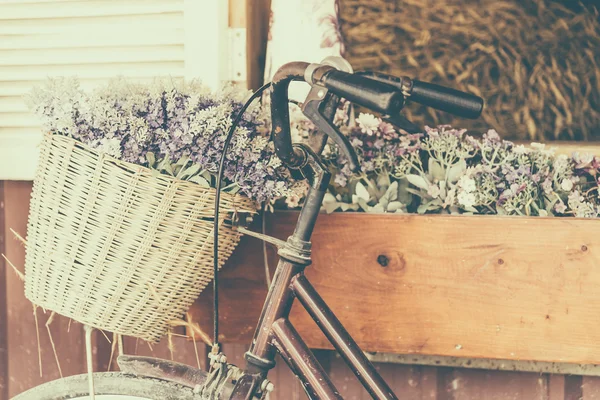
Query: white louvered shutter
(93, 40)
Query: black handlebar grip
(454, 101)
(369, 93)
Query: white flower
(492, 135)
(434, 191)
(520, 149)
(541, 147)
(575, 199)
(368, 123)
(467, 184)
(259, 143)
(111, 147)
(582, 160)
(292, 201)
(566, 185)
(466, 199)
(560, 208)
(274, 162)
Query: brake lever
(313, 109)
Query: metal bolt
(320, 94)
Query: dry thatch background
(535, 62)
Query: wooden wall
(19, 356)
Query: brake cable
(230, 133)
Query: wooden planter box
(470, 286)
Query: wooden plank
(556, 387)
(93, 55)
(87, 9)
(3, 322)
(476, 385)
(286, 384)
(591, 388)
(87, 25)
(92, 71)
(90, 39)
(573, 387)
(428, 383)
(491, 287)
(486, 363)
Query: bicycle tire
(107, 384)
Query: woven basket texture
(115, 246)
(536, 63)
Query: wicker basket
(115, 246)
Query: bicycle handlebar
(379, 92)
(443, 98)
(377, 96)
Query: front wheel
(109, 386)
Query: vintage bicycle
(151, 378)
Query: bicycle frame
(275, 333)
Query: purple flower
(341, 180)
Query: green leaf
(329, 198)
(151, 159)
(330, 203)
(390, 195)
(200, 181)
(182, 161)
(418, 181)
(234, 189)
(165, 166)
(190, 171)
(330, 207)
(363, 204)
(362, 192)
(348, 206)
(422, 209)
(436, 170)
(376, 209)
(456, 171)
(394, 206)
(403, 194)
(434, 204)
(383, 183)
(443, 192)
(392, 192)
(419, 193)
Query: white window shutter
(96, 40)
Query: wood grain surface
(491, 287)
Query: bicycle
(151, 378)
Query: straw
(536, 63)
